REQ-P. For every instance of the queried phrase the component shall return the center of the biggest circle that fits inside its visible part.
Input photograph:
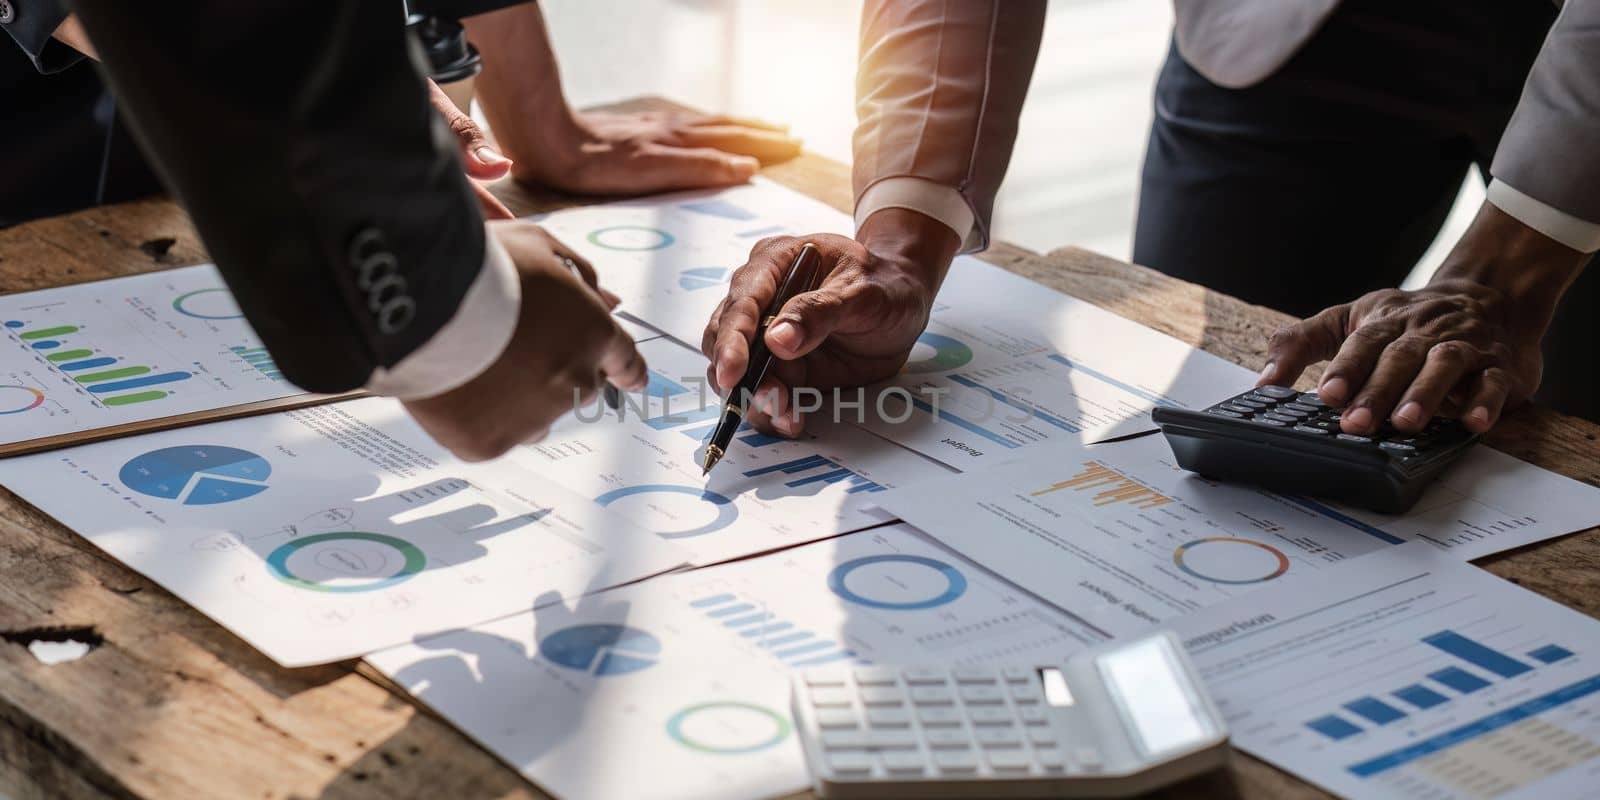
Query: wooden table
(172, 705)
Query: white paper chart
(327, 533)
(1120, 534)
(1409, 675)
(126, 350)
(677, 688)
(670, 257)
(766, 493)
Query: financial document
(126, 350)
(670, 257)
(1120, 534)
(645, 464)
(326, 533)
(1409, 675)
(677, 687)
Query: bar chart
(824, 470)
(110, 380)
(1113, 487)
(779, 638)
(259, 359)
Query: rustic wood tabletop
(173, 705)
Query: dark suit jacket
(299, 137)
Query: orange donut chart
(1177, 558)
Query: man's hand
(520, 91)
(566, 344)
(1467, 343)
(857, 327)
(481, 161)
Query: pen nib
(713, 455)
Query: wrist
(1526, 269)
(910, 241)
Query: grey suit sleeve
(32, 24)
(939, 93)
(1551, 148)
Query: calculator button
(875, 676)
(1310, 399)
(891, 740)
(1276, 423)
(1042, 737)
(1253, 405)
(957, 761)
(826, 697)
(843, 740)
(1399, 447)
(1351, 437)
(1223, 412)
(1087, 757)
(836, 718)
(946, 739)
(1007, 760)
(1258, 398)
(1285, 411)
(939, 716)
(881, 696)
(1031, 715)
(1311, 430)
(1018, 674)
(998, 737)
(1284, 418)
(1276, 392)
(1238, 408)
(923, 675)
(989, 715)
(982, 694)
(888, 717)
(825, 678)
(850, 763)
(1025, 694)
(1302, 407)
(974, 675)
(931, 695)
(1050, 758)
(904, 761)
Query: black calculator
(1290, 441)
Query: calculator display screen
(1154, 696)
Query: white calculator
(1117, 720)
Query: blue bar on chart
(781, 639)
(259, 358)
(1550, 654)
(675, 418)
(1376, 710)
(1475, 653)
(712, 600)
(1459, 680)
(728, 611)
(1333, 727)
(1020, 405)
(135, 383)
(746, 434)
(662, 386)
(833, 474)
(1421, 696)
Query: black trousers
(1331, 178)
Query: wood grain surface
(172, 705)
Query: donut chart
(15, 399)
(207, 304)
(726, 511)
(890, 572)
(947, 354)
(1230, 560)
(346, 562)
(630, 238)
(728, 727)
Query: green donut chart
(347, 568)
(948, 354)
(679, 724)
(630, 238)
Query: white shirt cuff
(472, 340)
(1578, 234)
(923, 196)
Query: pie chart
(197, 475)
(702, 278)
(936, 353)
(601, 649)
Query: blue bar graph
(1550, 654)
(751, 633)
(827, 659)
(1333, 727)
(779, 638)
(810, 647)
(790, 467)
(676, 418)
(46, 345)
(789, 638)
(88, 363)
(1421, 696)
(135, 383)
(1459, 680)
(728, 611)
(1020, 405)
(833, 474)
(1478, 654)
(1376, 710)
(662, 386)
(751, 619)
(712, 600)
(826, 477)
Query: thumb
(806, 321)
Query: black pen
(760, 359)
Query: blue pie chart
(897, 582)
(197, 475)
(601, 649)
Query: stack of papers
(611, 623)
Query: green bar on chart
(112, 374)
(45, 333)
(68, 355)
(137, 397)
